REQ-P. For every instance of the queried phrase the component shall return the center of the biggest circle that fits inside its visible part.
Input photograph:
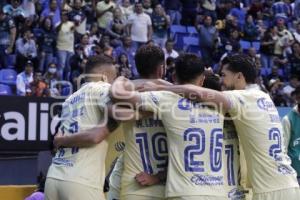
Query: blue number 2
(274, 134)
(159, 147)
(191, 151)
(74, 129)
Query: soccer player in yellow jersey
(258, 126)
(146, 152)
(79, 173)
(194, 133)
(231, 148)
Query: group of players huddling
(183, 141)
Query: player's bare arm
(192, 92)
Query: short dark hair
(212, 81)
(188, 66)
(148, 59)
(95, 61)
(241, 63)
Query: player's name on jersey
(148, 122)
(204, 118)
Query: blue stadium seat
(194, 49)
(264, 71)
(245, 44)
(178, 39)
(5, 90)
(192, 30)
(8, 76)
(191, 41)
(256, 45)
(178, 29)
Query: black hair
(188, 66)
(96, 61)
(170, 60)
(241, 63)
(148, 59)
(212, 81)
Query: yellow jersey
(83, 110)
(195, 140)
(258, 126)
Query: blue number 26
(196, 150)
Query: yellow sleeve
(236, 102)
(152, 101)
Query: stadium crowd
(44, 45)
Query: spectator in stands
(209, 8)
(231, 24)
(285, 40)
(169, 49)
(15, 11)
(104, 12)
(94, 34)
(24, 79)
(51, 78)
(208, 35)
(47, 44)
(170, 62)
(256, 8)
(255, 57)
(296, 34)
(276, 92)
(53, 12)
(26, 49)
(126, 8)
(173, 10)
(116, 28)
(239, 13)
(78, 15)
(281, 9)
(29, 8)
(128, 49)
(87, 47)
(139, 26)
(294, 60)
(291, 86)
(147, 7)
(250, 30)
(124, 66)
(160, 25)
(189, 12)
(274, 75)
(38, 86)
(267, 47)
(7, 37)
(77, 63)
(65, 44)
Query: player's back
(83, 110)
(231, 161)
(258, 125)
(195, 138)
(145, 151)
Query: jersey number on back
(196, 150)
(159, 147)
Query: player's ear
(200, 80)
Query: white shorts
(198, 198)
(285, 194)
(65, 190)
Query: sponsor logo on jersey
(236, 194)
(265, 104)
